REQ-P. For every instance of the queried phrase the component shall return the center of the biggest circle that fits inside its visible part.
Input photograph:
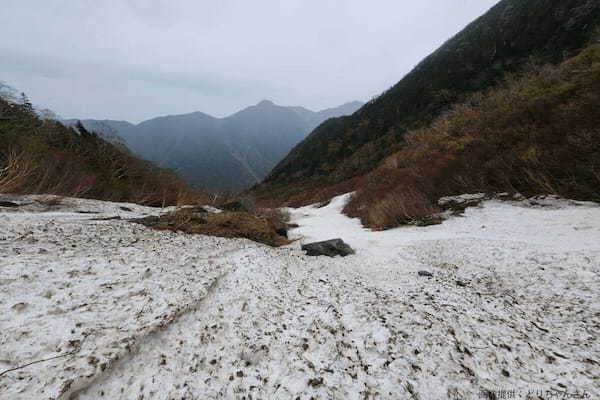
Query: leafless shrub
(15, 171)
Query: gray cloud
(135, 59)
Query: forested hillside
(535, 134)
(43, 156)
(514, 35)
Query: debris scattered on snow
(116, 310)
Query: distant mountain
(509, 37)
(231, 153)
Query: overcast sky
(137, 59)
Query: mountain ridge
(502, 41)
(221, 153)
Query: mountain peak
(266, 103)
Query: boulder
(330, 248)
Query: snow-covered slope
(110, 309)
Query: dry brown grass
(266, 226)
(534, 134)
(302, 193)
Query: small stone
(426, 274)
(19, 307)
(314, 382)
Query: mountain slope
(231, 153)
(502, 41)
(536, 134)
(44, 156)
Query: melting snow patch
(108, 309)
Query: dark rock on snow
(8, 204)
(330, 248)
(426, 274)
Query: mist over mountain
(231, 153)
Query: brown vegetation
(302, 193)
(43, 156)
(534, 134)
(502, 41)
(267, 226)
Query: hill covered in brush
(39, 155)
(509, 38)
(537, 133)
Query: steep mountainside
(231, 153)
(44, 156)
(510, 36)
(535, 134)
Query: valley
(220, 154)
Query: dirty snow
(103, 308)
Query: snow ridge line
(72, 388)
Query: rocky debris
(457, 204)
(330, 248)
(149, 221)
(554, 202)
(434, 219)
